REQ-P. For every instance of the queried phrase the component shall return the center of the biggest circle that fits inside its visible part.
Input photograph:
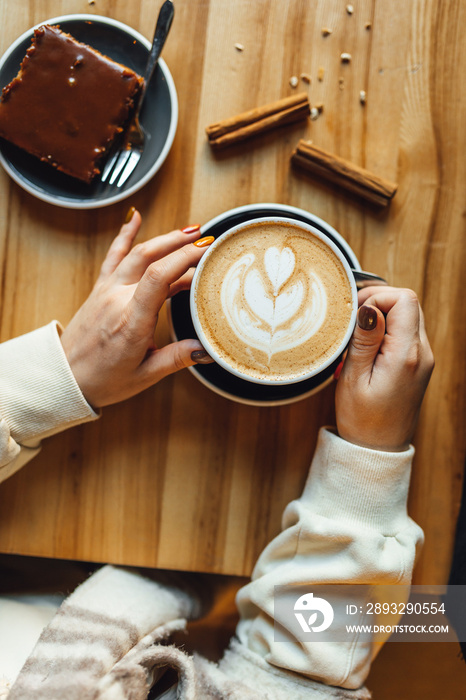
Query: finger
(121, 245)
(173, 357)
(368, 292)
(154, 287)
(401, 308)
(422, 328)
(183, 284)
(366, 341)
(428, 355)
(136, 263)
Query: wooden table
(180, 477)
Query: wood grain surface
(180, 477)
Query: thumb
(367, 339)
(173, 357)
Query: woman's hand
(386, 371)
(110, 341)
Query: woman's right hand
(109, 343)
(386, 371)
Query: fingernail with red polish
(202, 357)
(203, 242)
(367, 318)
(191, 229)
(131, 212)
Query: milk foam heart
(279, 264)
(273, 301)
(276, 311)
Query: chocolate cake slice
(68, 103)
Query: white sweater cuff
(351, 483)
(39, 394)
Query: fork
(120, 166)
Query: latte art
(273, 301)
(268, 308)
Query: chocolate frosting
(68, 103)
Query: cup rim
(207, 345)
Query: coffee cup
(273, 301)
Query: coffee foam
(274, 301)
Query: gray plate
(159, 116)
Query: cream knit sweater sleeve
(349, 526)
(39, 396)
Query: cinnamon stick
(258, 121)
(341, 172)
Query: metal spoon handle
(164, 22)
(367, 279)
